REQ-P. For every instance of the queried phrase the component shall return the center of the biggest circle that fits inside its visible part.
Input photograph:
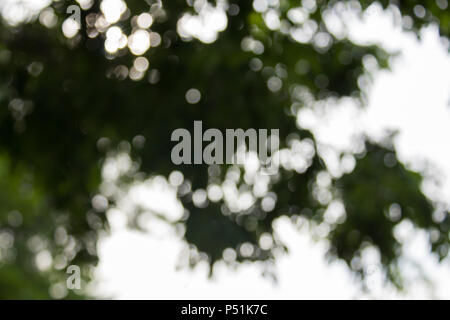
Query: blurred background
(90, 92)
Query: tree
(71, 98)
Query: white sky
(412, 98)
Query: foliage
(65, 104)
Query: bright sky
(412, 98)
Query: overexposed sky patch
(411, 98)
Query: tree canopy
(70, 98)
